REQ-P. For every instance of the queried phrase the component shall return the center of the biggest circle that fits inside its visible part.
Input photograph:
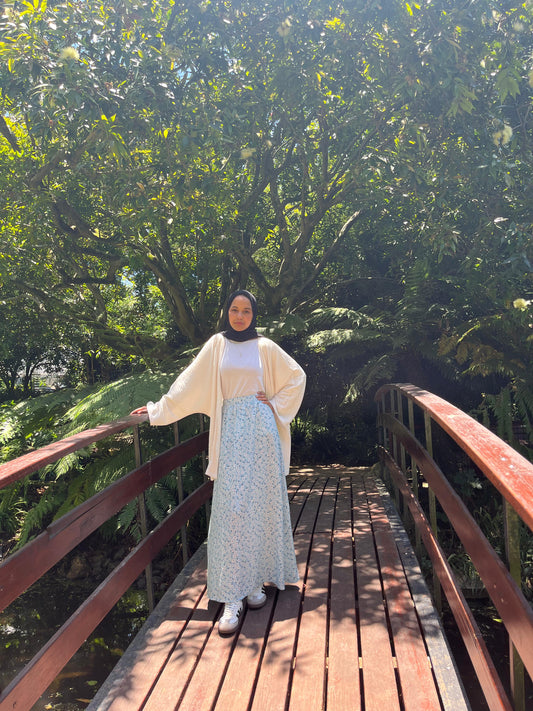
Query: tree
(174, 151)
(27, 342)
(374, 157)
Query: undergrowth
(29, 505)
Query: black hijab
(249, 332)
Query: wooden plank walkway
(358, 632)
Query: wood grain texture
(328, 643)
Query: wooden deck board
(273, 682)
(308, 681)
(344, 687)
(349, 635)
(175, 677)
(240, 677)
(378, 662)
(417, 686)
(160, 642)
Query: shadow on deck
(358, 632)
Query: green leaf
(506, 83)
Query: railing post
(382, 440)
(403, 464)
(141, 503)
(394, 452)
(385, 435)
(380, 435)
(393, 448)
(432, 510)
(512, 552)
(179, 477)
(414, 474)
(393, 409)
(204, 467)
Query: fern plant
(26, 507)
(501, 344)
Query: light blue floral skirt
(250, 536)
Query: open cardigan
(198, 389)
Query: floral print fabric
(250, 535)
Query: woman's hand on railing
(140, 411)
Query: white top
(198, 388)
(241, 371)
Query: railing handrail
(506, 469)
(508, 599)
(27, 565)
(512, 475)
(18, 468)
(30, 563)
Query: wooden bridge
(358, 632)
(351, 635)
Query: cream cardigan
(198, 389)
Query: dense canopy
(366, 168)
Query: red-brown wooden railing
(31, 562)
(512, 475)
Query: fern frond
(322, 319)
(341, 337)
(127, 520)
(290, 325)
(63, 466)
(36, 518)
(159, 502)
(9, 428)
(375, 371)
(337, 317)
(117, 399)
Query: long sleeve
(196, 389)
(284, 387)
(189, 393)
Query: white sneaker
(230, 620)
(257, 598)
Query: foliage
(366, 168)
(173, 151)
(27, 506)
(27, 344)
(502, 344)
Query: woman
(251, 389)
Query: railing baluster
(393, 448)
(141, 503)
(380, 437)
(179, 477)
(28, 565)
(510, 473)
(385, 475)
(403, 463)
(512, 552)
(394, 451)
(404, 512)
(394, 438)
(385, 432)
(432, 510)
(204, 467)
(414, 474)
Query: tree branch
(6, 132)
(326, 256)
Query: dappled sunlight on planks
(348, 635)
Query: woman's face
(240, 313)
